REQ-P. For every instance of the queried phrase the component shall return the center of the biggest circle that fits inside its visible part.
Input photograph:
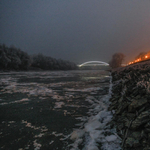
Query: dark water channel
(40, 110)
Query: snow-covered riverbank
(96, 132)
(131, 103)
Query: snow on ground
(95, 129)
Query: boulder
(136, 104)
(132, 142)
(143, 118)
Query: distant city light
(139, 59)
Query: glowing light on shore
(140, 59)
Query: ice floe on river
(95, 132)
(84, 101)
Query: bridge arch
(93, 62)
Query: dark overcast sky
(76, 30)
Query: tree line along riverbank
(130, 104)
(12, 58)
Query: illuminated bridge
(93, 63)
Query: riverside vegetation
(12, 58)
(130, 103)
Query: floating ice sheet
(95, 129)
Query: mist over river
(56, 110)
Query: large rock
(132, 142)
(130, 116)
(147, 148)
(143, 118)
(138, 103)
(121, 107)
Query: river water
(56, 110)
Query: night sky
(76, 30)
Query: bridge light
(93, 62)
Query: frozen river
(56, 110)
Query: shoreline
(131, 106)
(78, 98)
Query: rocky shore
(130, 104)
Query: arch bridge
(90, 63)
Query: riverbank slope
(130, 103)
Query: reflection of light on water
(84, 90)
(94, 78)
(90, 78)
(107, 76)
